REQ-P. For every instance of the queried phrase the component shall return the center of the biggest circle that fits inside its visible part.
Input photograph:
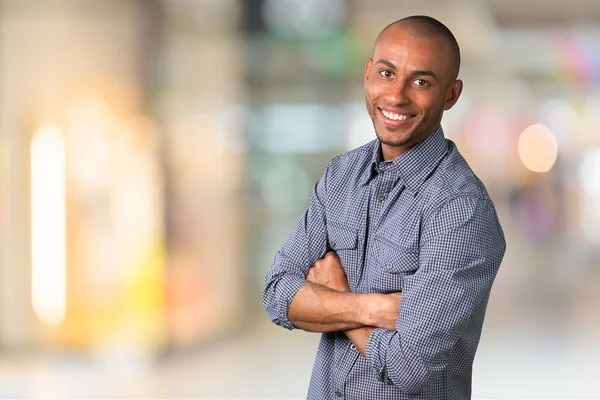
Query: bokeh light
(48, 224)
(538, 148)
(589, 173)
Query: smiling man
(395, 257)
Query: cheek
(375, 87)
(373, 97)
(369, 97)
(369, 92)
(432, 105)
(370, 109)
(377, 90)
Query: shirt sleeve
(462, 246)
(306, 244)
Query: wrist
(367, 309)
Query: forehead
(405, 49)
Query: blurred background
(154, 154)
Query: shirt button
(338, 393)
(333, 244)
(381, 197)
(388, 266)
(352, 346)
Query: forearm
(316, 308)
(383, 313)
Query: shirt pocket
(391, 265)
(344, 241)
(342, 237)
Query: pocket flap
(341, 237)
(395, 259)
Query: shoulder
(354, 163)
(360, 154)
(453, 179)
(456, 197)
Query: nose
(399, 93)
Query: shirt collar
(415, 165)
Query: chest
(375, 230)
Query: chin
(391, 138)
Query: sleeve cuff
(287, 287)
(376, 350)
(395, 363)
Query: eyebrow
(386, 63)
(414, 73)
(425, 73)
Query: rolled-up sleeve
(462, 246)
(306, 244)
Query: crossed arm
(326, 304)
(307, 288)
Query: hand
(383, 310)
(329, 272)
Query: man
(395, 257)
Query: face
(409, 83)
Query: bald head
(424, 27)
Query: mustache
(386, 105)
(396, 109)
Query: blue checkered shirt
(423, 224)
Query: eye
(421, 82)
(386, 73)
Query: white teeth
(394, 116)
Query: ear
(368, 66)
(453, 94)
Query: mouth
(393, 119)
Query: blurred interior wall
(146, 96)
(55, 55)
(199, 102)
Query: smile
(393, 119)
(394, 116)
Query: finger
(333, 261)
(310, 275)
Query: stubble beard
(372, 111)
(395, 143)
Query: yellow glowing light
(48, 225)
(538, 148)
